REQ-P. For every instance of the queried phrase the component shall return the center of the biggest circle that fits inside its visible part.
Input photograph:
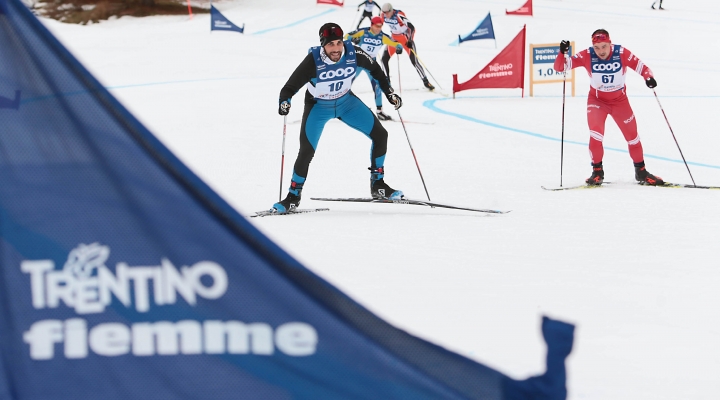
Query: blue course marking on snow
(294, 23)
(81, 92)
(187, 81)
(431, 105)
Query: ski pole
(674, 138)
(426, 68)
(413, 153)
(399, 81)
(282, 160)
(562, 130)
(353, 20)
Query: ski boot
(642, 175)
(428, 85)
(379, 189)
(598, 175)
(382, 116)
(291, 201)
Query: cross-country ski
(273, 212)
(681, 185)
(408, 201)
(585, 186)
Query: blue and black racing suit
(328, 96)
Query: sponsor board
(542, 60)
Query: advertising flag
(218, 22)
(340, 3)
(526, 9)
(483, 31)
(124, 276)
(506, 70)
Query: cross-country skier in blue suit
(371, 40)
(328, 71)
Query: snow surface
(636, 268)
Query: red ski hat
(377, 21)
(601, 37)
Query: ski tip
(583, 186)
(264, 213)
(272, 211)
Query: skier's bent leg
(313, 122)
(386, 62)
(415, 62)
(596, 116)
(625, 119)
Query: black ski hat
(329, 32)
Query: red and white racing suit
(607, 95)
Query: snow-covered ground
(636, 268)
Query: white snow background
(637, 269)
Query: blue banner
(218, 22)
(124, 276)
(10, 102)
(483, 31)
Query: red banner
(335, 2)
(506, 70)
(524, 10)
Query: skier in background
(655, 2)
(367, 12)
(403, 31)
(371, 40)
(606, 64)
(328, 71)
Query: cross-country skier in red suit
(403, 32)
(606, 64)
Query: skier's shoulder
(363, 59)
(624, 51)
(356, 33)
(582, 55)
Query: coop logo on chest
(607, 67)
(337, 73)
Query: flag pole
(189, 9)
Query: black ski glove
(410, 44)
(395, 100)
(284, 108)
(564, 46)
(651, 83)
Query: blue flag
(218, 22)
(483, 31)
(124, 276)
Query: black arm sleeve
(411, 28)
(377, 5)
(367, 62)
(302, 75)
